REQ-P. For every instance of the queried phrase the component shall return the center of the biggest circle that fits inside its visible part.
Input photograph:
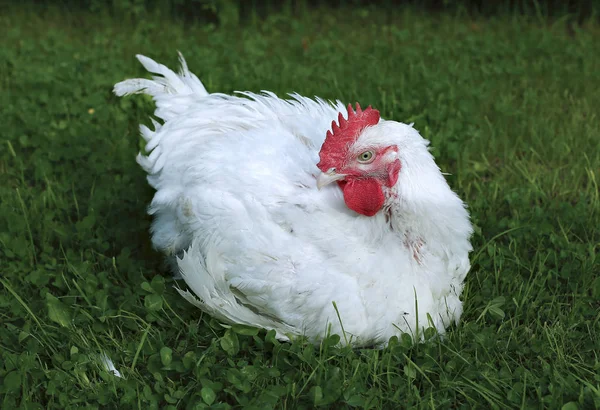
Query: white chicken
(246, 205)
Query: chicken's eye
(366, 157)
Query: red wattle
(364, 196)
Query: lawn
(510, 104)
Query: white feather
(108, 365)
(259, 244)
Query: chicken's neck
(422, 225)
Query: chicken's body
(259, 244)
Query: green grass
(510, 105)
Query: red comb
(334, 148)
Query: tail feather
(167, 81)
(173, 93)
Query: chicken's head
(361, 163)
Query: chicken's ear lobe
(393, 171)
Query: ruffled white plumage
(258, 244)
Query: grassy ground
(511, 106)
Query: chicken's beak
(326, 178)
